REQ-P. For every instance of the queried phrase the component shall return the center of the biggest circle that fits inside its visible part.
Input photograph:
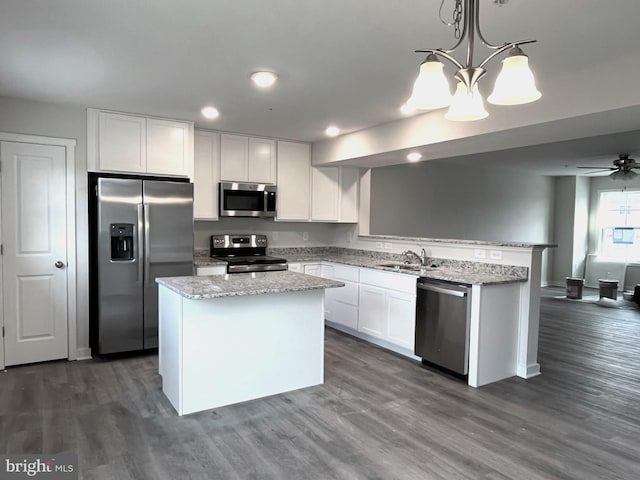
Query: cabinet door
(262, 160)
(349, 178)
(313, 269)
(295, 267)
(401, 318)
(206, 174)
(122, 143)
(325, 194)
(372, 317)
(294, 181)
(168, 147)
(234, 158)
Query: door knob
(59, 264)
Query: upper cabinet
(206, 174)
(124, 143)
(247, 159)
(334, 194)
(293, 181)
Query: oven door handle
(275, 267)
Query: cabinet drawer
(347, 294)
(393, 281)
(211, 270)
(343, 314)
(345, 272)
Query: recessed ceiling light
(407, 109)
(210, 112)
(414, 157)
(332, 131)
(264, 79)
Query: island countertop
(238, 284)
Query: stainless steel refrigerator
(141, 229)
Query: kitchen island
(226, 339)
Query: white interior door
(34, 264)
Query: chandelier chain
(457, 18)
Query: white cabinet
(234, 158)
(293, 181)
(245, 159)
(401, 318)
(125, 143)
(341, 304)
(122, 142)
(169, 147)
(334, 194)
(206, 168)
(388, 306)
(313, 269)
(262, 160)
(373, 311)
(211, 270)
(325, 194)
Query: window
(619, 225)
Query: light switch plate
(495, 255)
(378, 244)
(480, 253)
(388, 246)
(274, 236)
(305, 236)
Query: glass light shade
(623, 175)
(466, 106)
(515, 84)
(431, 89)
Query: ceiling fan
(622, 168)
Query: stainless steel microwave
(247, 200)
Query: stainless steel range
(245, 253)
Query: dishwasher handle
(442, 289)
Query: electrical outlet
(388, 246)
(479, 253)
(274, 236)
(305, 236)
(495, 255)
(378, 244)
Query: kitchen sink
(406, 266)
(401, 266)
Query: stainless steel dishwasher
(442, 324)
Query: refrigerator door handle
(140, 235)
(147, 247)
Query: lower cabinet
(373, 311)
(211, 270)
(374, 303)
(388, 307)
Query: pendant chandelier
(515, 84)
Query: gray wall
(53, 120)
(441, 201)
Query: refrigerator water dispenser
(121, 241)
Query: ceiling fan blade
(600, 171)
(603, 168)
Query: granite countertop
(201, 258)
(457, 271)
(239, 284)
(468, 273)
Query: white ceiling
(349, 63)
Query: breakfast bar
(226, 339)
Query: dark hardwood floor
(378, 416)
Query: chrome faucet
(422, 257)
